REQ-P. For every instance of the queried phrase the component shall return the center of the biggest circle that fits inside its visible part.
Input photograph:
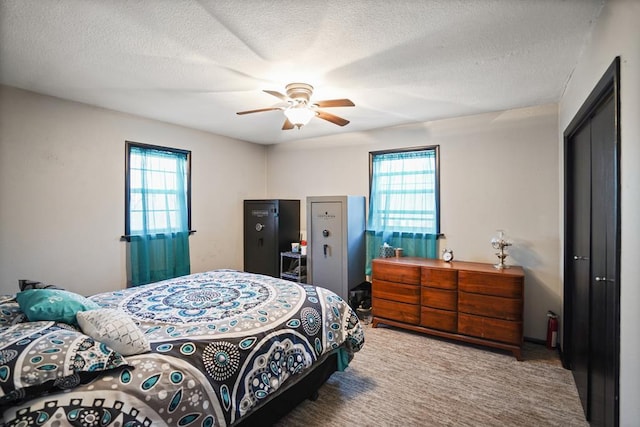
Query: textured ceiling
(196, 63)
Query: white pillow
(114, 328)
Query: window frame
(127, 178)
(436, 150)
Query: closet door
(591, 345)
(603, 264)
(579, 264)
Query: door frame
(607, 86)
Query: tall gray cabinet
(336, 242)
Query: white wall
(617, 34)
(498, 171)
(62, 191)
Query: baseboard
(535, 340)
(544, 342)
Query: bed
(209, 349)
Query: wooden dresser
(467, 301)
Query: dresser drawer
(490, 306)
(490, 284)
(407, 313)
(400, 292)
(493, 329)
(439, 298)
(439, 278)
(390, 272)
(439, 319)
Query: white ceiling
(196, 63)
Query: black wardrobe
(270, 226)
(591, 336)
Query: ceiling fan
(299, 109)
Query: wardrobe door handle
(580, 258)
(603, 279)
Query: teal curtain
(158, 246)
(404, 192)
(156, 257)
(413, 244)
(344, 358)
(403, 204)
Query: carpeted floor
(401, 378)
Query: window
(158, 190)
(404, 190)
(157, 213)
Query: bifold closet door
(591, 344)
(578, 339)
(603, 265)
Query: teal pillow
(53, 304)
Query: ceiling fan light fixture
(299, 115)
(299, 109)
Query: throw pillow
(42, 357)
(53, 304)
(114, 328)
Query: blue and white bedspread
(222, 343)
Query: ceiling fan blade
(335, 103)
(279, 95)
(287, 125)
(259, 110)
(333, 119)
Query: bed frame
(306, 388)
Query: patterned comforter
(222, 343)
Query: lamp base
(501, 257)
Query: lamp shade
(299, 116)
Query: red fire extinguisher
(552, 330)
